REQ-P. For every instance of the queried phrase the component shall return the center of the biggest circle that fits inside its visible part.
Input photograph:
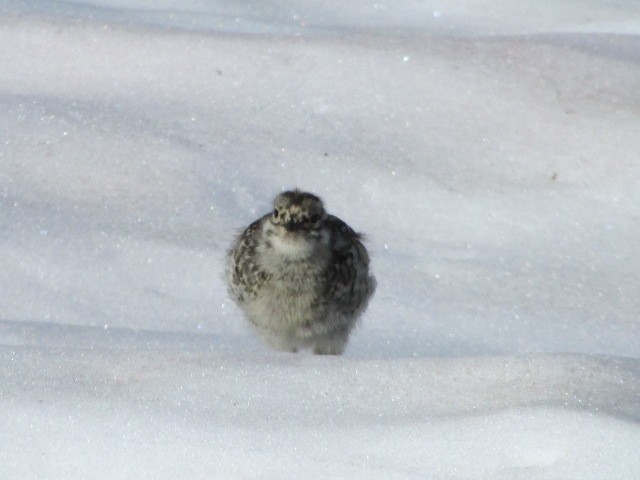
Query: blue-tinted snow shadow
(369, 345)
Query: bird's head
(297, 211)
(297, 220)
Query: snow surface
(490, 154)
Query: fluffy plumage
(301, 276)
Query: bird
(301, 276)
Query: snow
(489, 155)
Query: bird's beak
(294, 226)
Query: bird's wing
(350, 284)
(244, 273)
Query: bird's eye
(275, 213)
(315, 217)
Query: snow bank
(162, 413)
